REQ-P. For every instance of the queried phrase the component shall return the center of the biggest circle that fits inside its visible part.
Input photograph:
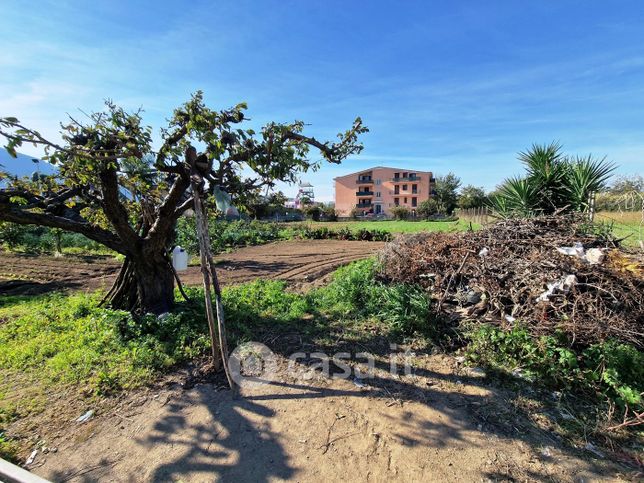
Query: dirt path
(434, 425)
(298, 261)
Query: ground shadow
(216, 436)
(30, 287)
(258, 453)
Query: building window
(404, 188)
(377, 194)
(396, 189)
(396, 175)
(405, 175)
(377, 181)
(405, 200)
(414, 189)
(414, 202)
(396, 201)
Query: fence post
(591, 207)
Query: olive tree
(115, 188)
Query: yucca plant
(546, 167)
(586, 176)
(554, 183)
(516, 197)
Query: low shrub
(611, 369)
(225, 235)
(356, 291)
(312, 212)
(363, 234)
(40, 239)
(400, 213)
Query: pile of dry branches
(502, 274)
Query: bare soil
(441, 423)
(297, 261)
(26, 274)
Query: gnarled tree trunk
(145, 284)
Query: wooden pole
(202, 235)
(218, 339)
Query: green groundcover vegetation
(60, 340)
(224, 235)
(228, 235)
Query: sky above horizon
(443, 86)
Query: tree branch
(114, 209)
(16, 215)
(165, 214)
(169, 143)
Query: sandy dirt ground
(297, 261)
(434, 425)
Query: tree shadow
(31, 287)
(226, 435)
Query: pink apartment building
(376, 191)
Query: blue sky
(456, 86)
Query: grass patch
(355, 292)
(55, 342)
(8, 449)
(628, 225)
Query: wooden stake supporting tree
(219, 344)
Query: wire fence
(626, 214)
(481, 216)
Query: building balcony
(406, 179)
(404, 193)
(364, 205)
(365, 193)
(364, 181)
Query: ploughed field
(297, 261)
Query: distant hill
(23, 165)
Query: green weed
(612, 370)
(8, 449)
(356, 292)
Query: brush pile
(550, 274)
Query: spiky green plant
(553, 183)
(546, 167)
(586, 176)
(516, 197)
